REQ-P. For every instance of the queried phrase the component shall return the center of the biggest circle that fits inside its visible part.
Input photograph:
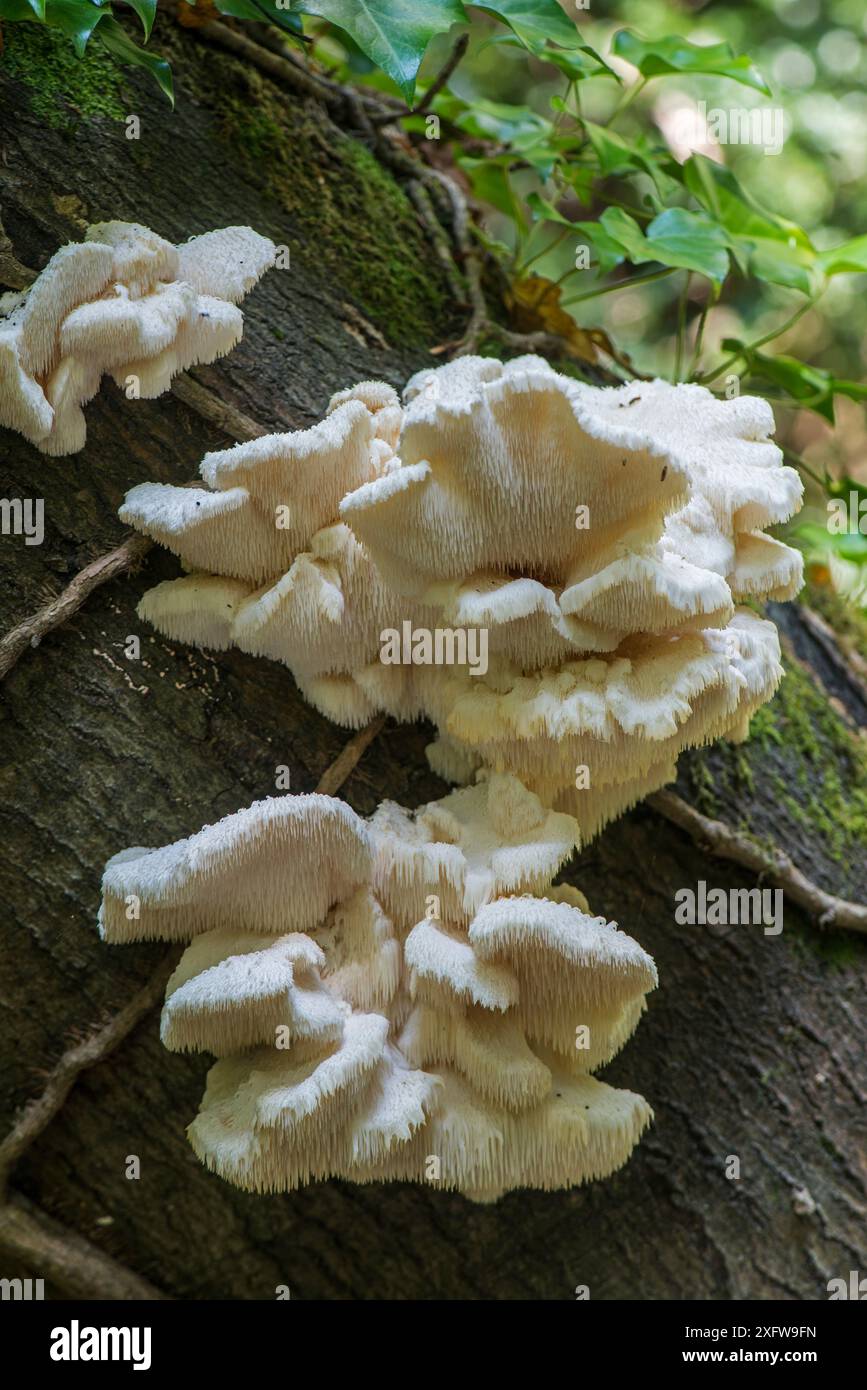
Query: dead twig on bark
(334, 776)
(216, 411)
(30, 631)
(717, 838)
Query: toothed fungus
(598, 540)
(388, 999)
(126, 303)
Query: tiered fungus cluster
(599, 539)
(406, 998)
(124, 303)
(411, 998)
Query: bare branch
(334, 776)
(216, 411)
(30, 631)
(38, 1113)
(720, 839)
(65, 1258)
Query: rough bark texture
(753, 1045)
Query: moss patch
(346, 213)
(828, 791)
(62, 88)
(800, 784)
(803, 770)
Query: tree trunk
(753, 1046)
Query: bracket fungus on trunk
(125, 303)
(597, 542)
(405, 998)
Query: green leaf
(491, 184)
(781, 264)
(678, 238)
(119, 43)
(764, 245)
(717, 189)
(542, 210)
(811, 387)
(518, 126)
(579, 63)
(674, 54)
(260, 10)
(617, 155)
(17, 10)
(393, 33)
(818, 540)
(77, 19)
(608, 250)
(147, 13)
(851, 256)
(534, 22)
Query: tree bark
(753, 1046)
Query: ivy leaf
(579, 63)
(16, 10)
(147, 13)
(518, 126)
(851, 256)
(764, 245)
(608, 250)
(534, 22)
(813, 388)
(490, 183)
(77, 19)
(260, 10)
(393, 33)
(544, 211)
(717, 189)
(660, 57)
(781, 264)
(616, 155)
(677, 238)
(119, 43)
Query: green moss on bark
(343, 208)
(61, 87)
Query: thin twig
(216, 411)
(334, 776)
(436, 232)
(38, 1113)
(721, 840)
(30, 631)
(26, 1233)
(65, 1258)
